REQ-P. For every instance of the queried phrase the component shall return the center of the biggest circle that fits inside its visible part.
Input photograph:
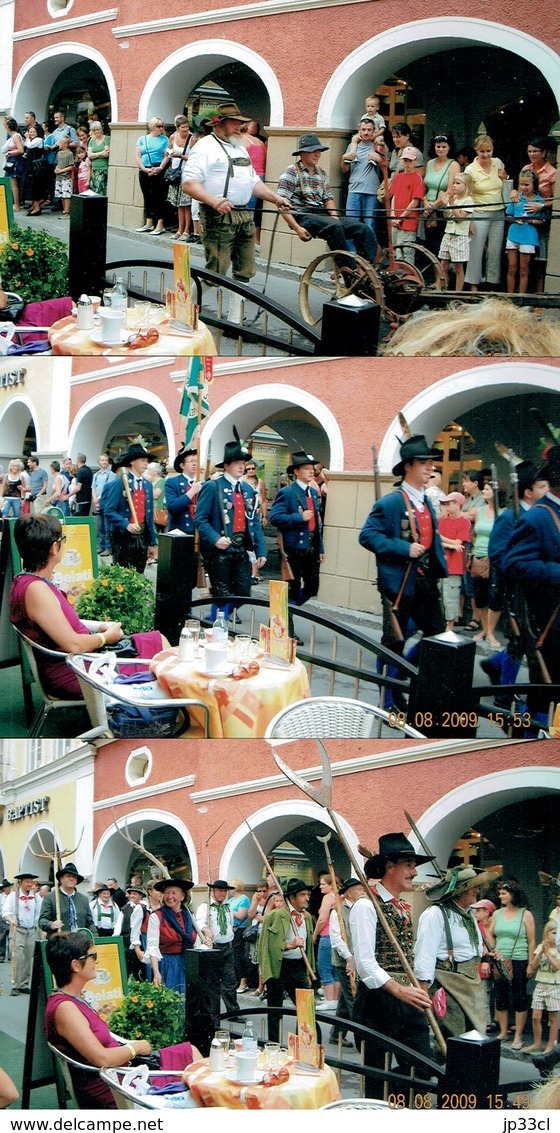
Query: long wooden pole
(337, 902)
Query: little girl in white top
(455, 243)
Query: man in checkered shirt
(314, 213)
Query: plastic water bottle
(219, 629)
(249, 1038)
(119, 296)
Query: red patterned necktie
(298, 919)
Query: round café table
(303, 1090)
(66, 339)
(238, 709)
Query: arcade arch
(428, 53)
(17, 421)
(454, 397)
(296, 820)
(162, 832)
(32, 856)
(248, 77)
(121, 411)
(42, 73)
(295, 413)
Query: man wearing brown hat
(129, 515)
(314, 212)
(449, 949)
(219, 174)
(532, 558)
(401, 530)
(386, 1001)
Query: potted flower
(35, 265)
(119, 594)
(148, 1012)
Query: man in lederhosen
(219, 174)
(296, 512)
(180, 497)
(130, 540)
(228, 521)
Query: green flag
(194, 402)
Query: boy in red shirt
(407, 192)
(455, 532)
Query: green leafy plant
(35, 265)
(148, 1012)
(119, 594)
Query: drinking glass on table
(107, 296)
(271, 1056)
(223, 1037)
(242, 645)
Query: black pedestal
(472, 1074)
(203, 998)
(87, 247)
(176, 577)
(350, 330)
(441, 703)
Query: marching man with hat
(128, 503)
(286, 934)
(229, 525)
(533, 558)
(314, 212)
(449, 947)
(181, 493)
(385, 1000)
(75, 912)
(104, 911)
(219, 174)
(21, 910)
(5, 891)
(402, 531)
(296, 512)
(215, 921)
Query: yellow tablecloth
(301, 1091)
(238, 709)
(66, 339)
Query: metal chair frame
(127, 1098)
(49, 702)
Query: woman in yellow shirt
(487, 174)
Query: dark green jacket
(272, 942)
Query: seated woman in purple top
(79, 1032)
(43, 613)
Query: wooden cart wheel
(333, 276)
(428, 265)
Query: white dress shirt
(337, 943)
(431, 943)
(26, 912)
(363, 928)
(201, 918)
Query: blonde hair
(483, 140)
(466, 179)
(493, 327)
(547, 1096)
(550, 926)
(154, 121)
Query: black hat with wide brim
(25, 876)
(135, 452)
(296, 885)
(220, 884)
(182, 456)
(393, 847)
(415, 448)
(299, 459)
(308, 143)
(70, 869)
(167, 882)
(233, 450)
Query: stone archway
(94, 419)
(275, 402)
(18, 414)
(449, 398)
(181, 72)
(271, 824)
(39, 72)
(369, 65)
(112, 854)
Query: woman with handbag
(178, 151)
(438, 179)
(151, 159)
(488, 607)
(511, 934)
(13, 157)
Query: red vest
(170, 943)
(425, 527)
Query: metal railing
(273, 327)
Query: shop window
(138, 766)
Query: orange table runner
(301, 1091)
(66, 339)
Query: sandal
(472, 626)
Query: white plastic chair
(98, 693)
(331, 717)
(49, 702)
(357, 1103)
(127, 1097)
